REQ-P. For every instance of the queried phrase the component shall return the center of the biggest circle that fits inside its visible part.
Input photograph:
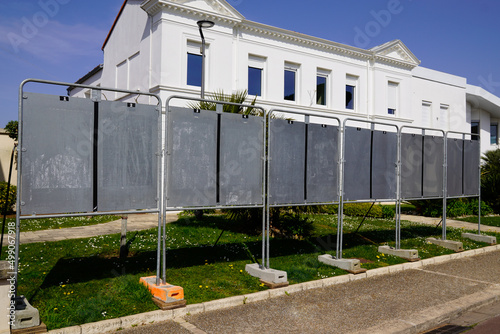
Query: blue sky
(63, 42)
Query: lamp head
(205, 24)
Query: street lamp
(203, 24)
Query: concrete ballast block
(165, 292)
(481, 238)
(345, 264)
(26, 315)
(456, 246)
(408, 254)
(267, 275)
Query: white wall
(6, 145)
(440, 89)
(153, 49)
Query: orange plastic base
(164, 291)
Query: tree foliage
(238, 97)
(490, 179)
(11, 129)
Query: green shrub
(290, 224)
(361, 209)
(388, 212)
(12, 196)
(490, 179)
(454, 207)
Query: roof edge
(114, 24)
(87, 76)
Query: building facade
(154, 46)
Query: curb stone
(399, 326)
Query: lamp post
(203, 24)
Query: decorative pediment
(217, 7)
(395, 52)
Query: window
(135, 75)
(194, 70)
(254, 81)
(290, 84)
(128, 73)
(443, 117)
(494, 133)
(122, 75)
(321, 80)
(350, 92)
(392, 97)
(426, 114)
(194, 63)
(256, 67)
(474, 127)
(349, 96)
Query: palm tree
(238, 97)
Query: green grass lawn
(79, 281)
(490, 221)
(28, 225)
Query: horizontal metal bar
(464, 196)
(59, 83)
(370, 122)
(88, 214)
(372, 200)
(420, 128)
(301, 204)
(186, 98)
(304, 113)
(419, 198)
(213, 208)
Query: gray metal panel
(471, 167)
(56, 166)
(287, 165)
(241, 153)
(455, 167)
(322, 164)
(357, 164)
(127, 157)
(433, 166)
(192, 158)
(411, 165)
(384, 162)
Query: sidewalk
(406, 298)
(450, 223)
(135, 222)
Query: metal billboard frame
(218, 111)
(372, 125)
(20, 158)
(307, 116)
(464, 135)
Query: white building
(154, 46)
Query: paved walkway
(135, 222)
(462, 288)
(450, 223)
